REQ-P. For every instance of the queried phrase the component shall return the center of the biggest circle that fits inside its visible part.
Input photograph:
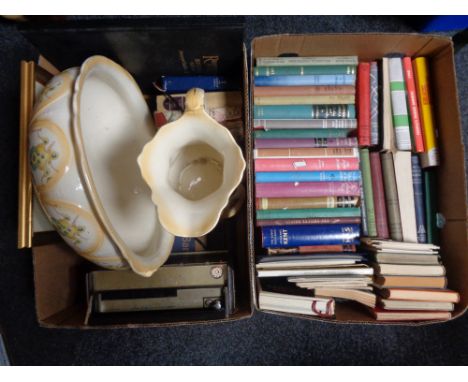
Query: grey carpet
(263, 339)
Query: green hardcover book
(302, 133)
(430, 183)
(309, 213)
(368, 192)
(391, 197)
(301, 70)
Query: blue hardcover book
(306, 80)
(187, 244)
(304, 111)
(308, 176)
(418, 189)
(180, 84)
(295, 236)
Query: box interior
(451, 195)
(147, 53)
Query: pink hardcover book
(306, 164)
(265, 143)
(306, 189)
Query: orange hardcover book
(410, 282)
(408, 315)
(443, 295)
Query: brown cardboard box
(59, 274)
(451, 173)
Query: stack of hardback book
(410, 280)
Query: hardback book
(300, 258)
(304, 111)
(320, 234)
(294, 61)
(279, 91)
(189, 244)
(181, 84)
(302, 133)
(363, 92)
(404, 183)
(391, 196)
(416, 127)
(419, 206)
(430, 157)
(400, 246)
(314, 142)
(430, 204)
(306, 152)
(399, 107)
(307, 221)
(301, 70)
(311, 306)
(368, 192)
(405, 258)
(306, 100)
(379, 196)
(269, 124)
(308, 176)
(409, 270)
(374, 104)
(306, 189)
(347, 270)
(442, 295)
(306, 261)
(365, 232)
(346, 282)
(363, 297)
(298, 203)
(398, 315)
(306, 164)
(388, 132)
(307, 249)
(309, 213)
(410, 281)
(306, 80)
(415, 305)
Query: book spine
(187, 244)
(430, 190)
(294, 61)
(416, 128)
(304, 111)
(315, 142)
(399, 108)
(302, 133)
(308, 189)
(391, 197)
(305, 100)
(302, 70)
(364, 104)
(308, 176)
(292, 236)
(281, 91)
(298, 203)
(374, 104)
(178, 84)
(430, 157)
(365, 231)
(306, 249)
(379, 196)
(268, 124)
(368, 193)
(306, 164)
(308, 221)
(308, 213)
(304, 152)
(388, 132)
(419, 199)
(306, 80)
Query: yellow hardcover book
(430, 157)
(332, 99)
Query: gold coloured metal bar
(25, 185)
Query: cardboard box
(147, 52)
(451, 173)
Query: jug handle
(195, 99)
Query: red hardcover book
(307, 189)
(379, 196)
(363, 101)
(416, 127)
(344, 220)
(306, 164)
(310, 249)
(277, 91)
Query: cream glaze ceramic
(192, 165)
(111, 124)
(56, 178)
